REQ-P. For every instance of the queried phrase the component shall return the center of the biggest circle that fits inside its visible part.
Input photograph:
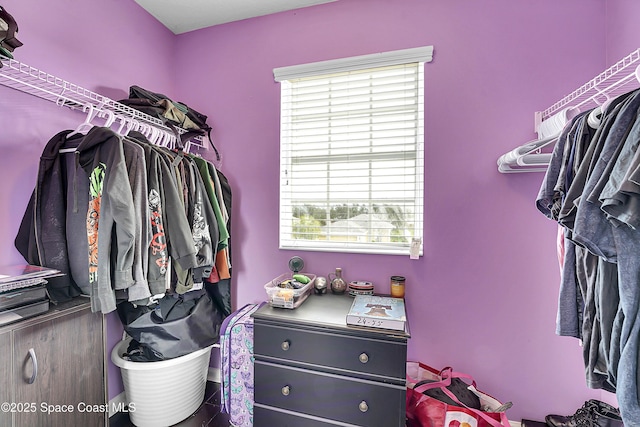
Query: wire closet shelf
(27, 79)
(614, 81)
(534, 156)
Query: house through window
(352, 153)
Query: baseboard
(117, 404)
(213, 375)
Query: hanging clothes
(592, 189)
(126, 220)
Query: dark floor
(208, 415)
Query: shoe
(592, 414)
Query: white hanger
(144, 129)
(593, 119)
(109, 119)
(155, 134)
(123, 122)
(164, 138)
(135, 126)
(554, 124)
(527, 157)
(86, 125)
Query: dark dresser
(313, 370)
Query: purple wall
(622, 31)
(103, 49)
(483, 298)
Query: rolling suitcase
(236, 358)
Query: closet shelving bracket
(27, 79)
(621, 77)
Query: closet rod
(27, 79)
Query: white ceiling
(181, 16)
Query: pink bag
(427, 411)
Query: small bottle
(397, 286)
(338, 285)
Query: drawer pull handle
(286, 390)
(34, 360)
(285, 345)
(363, 406)
(364, 358)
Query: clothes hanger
(86, 125)
(123, 122)
(528, 154)
(593, 119)
(109, 119)
(135, 126)
(155, 134)
(554, 124)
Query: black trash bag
(178, 325)
(137, 352)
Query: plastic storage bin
(164, 392)
(288, 298)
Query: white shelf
(616, 80)
(27, 79)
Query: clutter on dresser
(289, 290)
(338, 284)
(397, 286)
(378, 311)
(320, 285)
(23, 291)
(360, 287)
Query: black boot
(592, 414)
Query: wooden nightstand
(312, 370)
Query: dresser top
(323, 311)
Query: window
(352, 153)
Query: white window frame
(287, 75)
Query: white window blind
(352, 155)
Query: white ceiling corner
(181, 16)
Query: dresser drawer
(271, 417)
(349, 400)
(384, 359)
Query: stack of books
(376, 311)
(23, 291)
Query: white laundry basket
(166, 392)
